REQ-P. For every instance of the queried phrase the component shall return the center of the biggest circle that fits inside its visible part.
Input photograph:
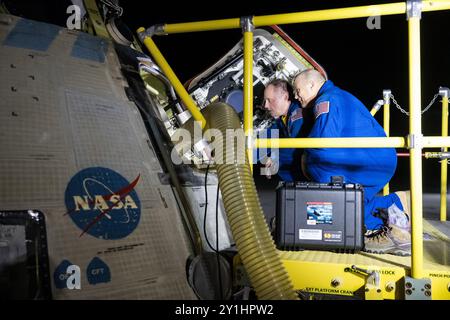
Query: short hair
(309, 74)
(283, 85)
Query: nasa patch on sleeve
(102, 203)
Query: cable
(206, 208)
(216, 250)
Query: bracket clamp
(387, 96)
(415, 141)
(247, 24)
(157, 29)
(413, 9)
(444, 92)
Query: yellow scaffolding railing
(444, 92)
(301, 17)
(415, 146)
(386, 124)
(247, 26)
(415, 142)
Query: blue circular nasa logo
(102, 203)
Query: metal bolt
(408, 285)
(428, 293)
(427, 286)
(335, 283)
(408, 292)
(389, 286)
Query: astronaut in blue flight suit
(337, 113)
(288, 123)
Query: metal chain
(406, 112)
(431, 103)
(397, 105)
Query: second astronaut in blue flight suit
(288, 123)
(337, 113)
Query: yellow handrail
(386, 120)
(370, 142)
(307, 16)
(366, 142)
(436, 142)
(443, 213)
(415, 131)
(248, 86)
(209, 25)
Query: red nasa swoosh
(122, 193)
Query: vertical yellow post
(415, 137)
(444, 92)
(386, 120)
(247, 28)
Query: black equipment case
(320, 216)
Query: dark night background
(359, 60)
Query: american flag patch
(296, 114)
(321, 108)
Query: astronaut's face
(304, 90)
(276, 101)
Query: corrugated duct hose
(245, 215)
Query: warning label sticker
(319, 213)
(310, 234)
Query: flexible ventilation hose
(245, 215)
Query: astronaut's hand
(268, 165)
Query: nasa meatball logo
(102, 203)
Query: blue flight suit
(337, 113)
(289, 159)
